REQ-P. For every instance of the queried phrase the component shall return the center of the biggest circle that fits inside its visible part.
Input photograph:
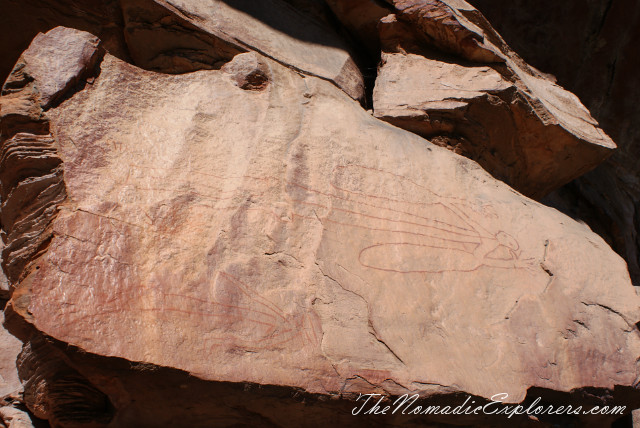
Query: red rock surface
(510, 118)
(271, 27)
(210, 229)
(22, 20)
(445, 24)
(297, 247)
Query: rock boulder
(282, 236)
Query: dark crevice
(612, 74)
(603, 20)
(370, 74)
(367, 63)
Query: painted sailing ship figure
(432, 234)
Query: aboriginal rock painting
(222, 311)
(397, 224)
(407, 228)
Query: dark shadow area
(313, 28)
(366, 61)
(585, 400)
(623, 422)
(283, 17)
(567, 200)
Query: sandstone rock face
(186, 35)
(56, 392)
(592, 50)
(248, 71)
(13, 417)
(278, 234)
(271, 27)
(514, 121)
(56, 61)
(22, 20)
(31, 177)
(445, 24)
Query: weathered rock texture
(55, 392)
(453, 26)
(13, 417)
(31, 176)
(22, 20)
(516, 122)
(271, 27)
(254, 225)
(592, 49)
(186, 35)
(536, 138)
